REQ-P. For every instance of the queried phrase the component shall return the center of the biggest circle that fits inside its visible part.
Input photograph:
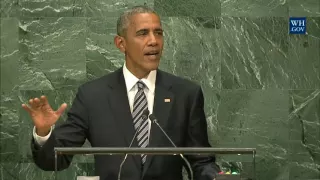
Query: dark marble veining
(189, 8)
(309, 8)
(304, 135)
(9, 8)
(254, 53)
(52, 49)
(254, 8)
(304, 57)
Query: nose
(152, 40)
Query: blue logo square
(297, 25)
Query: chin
(151, 65)
(151, 68)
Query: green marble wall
(262, 85)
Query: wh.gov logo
(297, 25)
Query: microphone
(144, 117)
(154, 120)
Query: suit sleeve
(204, 167)
(71, 133)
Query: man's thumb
(61, 109)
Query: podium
(160, 151)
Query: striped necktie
(139, 105)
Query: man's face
(143, 42)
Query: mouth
(152, 53)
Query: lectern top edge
(157, 150)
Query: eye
(142, 32)
(159, 32)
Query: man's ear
(120, 43)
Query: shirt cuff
(40, 140)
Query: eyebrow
(146, 30)
(159, 29)
(141, 30)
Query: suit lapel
(120, 106)
(163, 101)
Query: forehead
(144, 20)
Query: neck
(138, 72)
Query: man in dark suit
(107, 111)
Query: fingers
(44, 100)
(61, 109)
(36, 102)
(25, 107)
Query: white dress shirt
(132, 89)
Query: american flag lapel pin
(167, 100)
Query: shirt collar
(132, 80)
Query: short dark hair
(124, 19)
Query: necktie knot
(141, 85)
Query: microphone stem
(155, 121)
(182, 156)
(125, 157)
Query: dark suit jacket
(100, 113)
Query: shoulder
(185, 90)
(101, 83)
(179, 82)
